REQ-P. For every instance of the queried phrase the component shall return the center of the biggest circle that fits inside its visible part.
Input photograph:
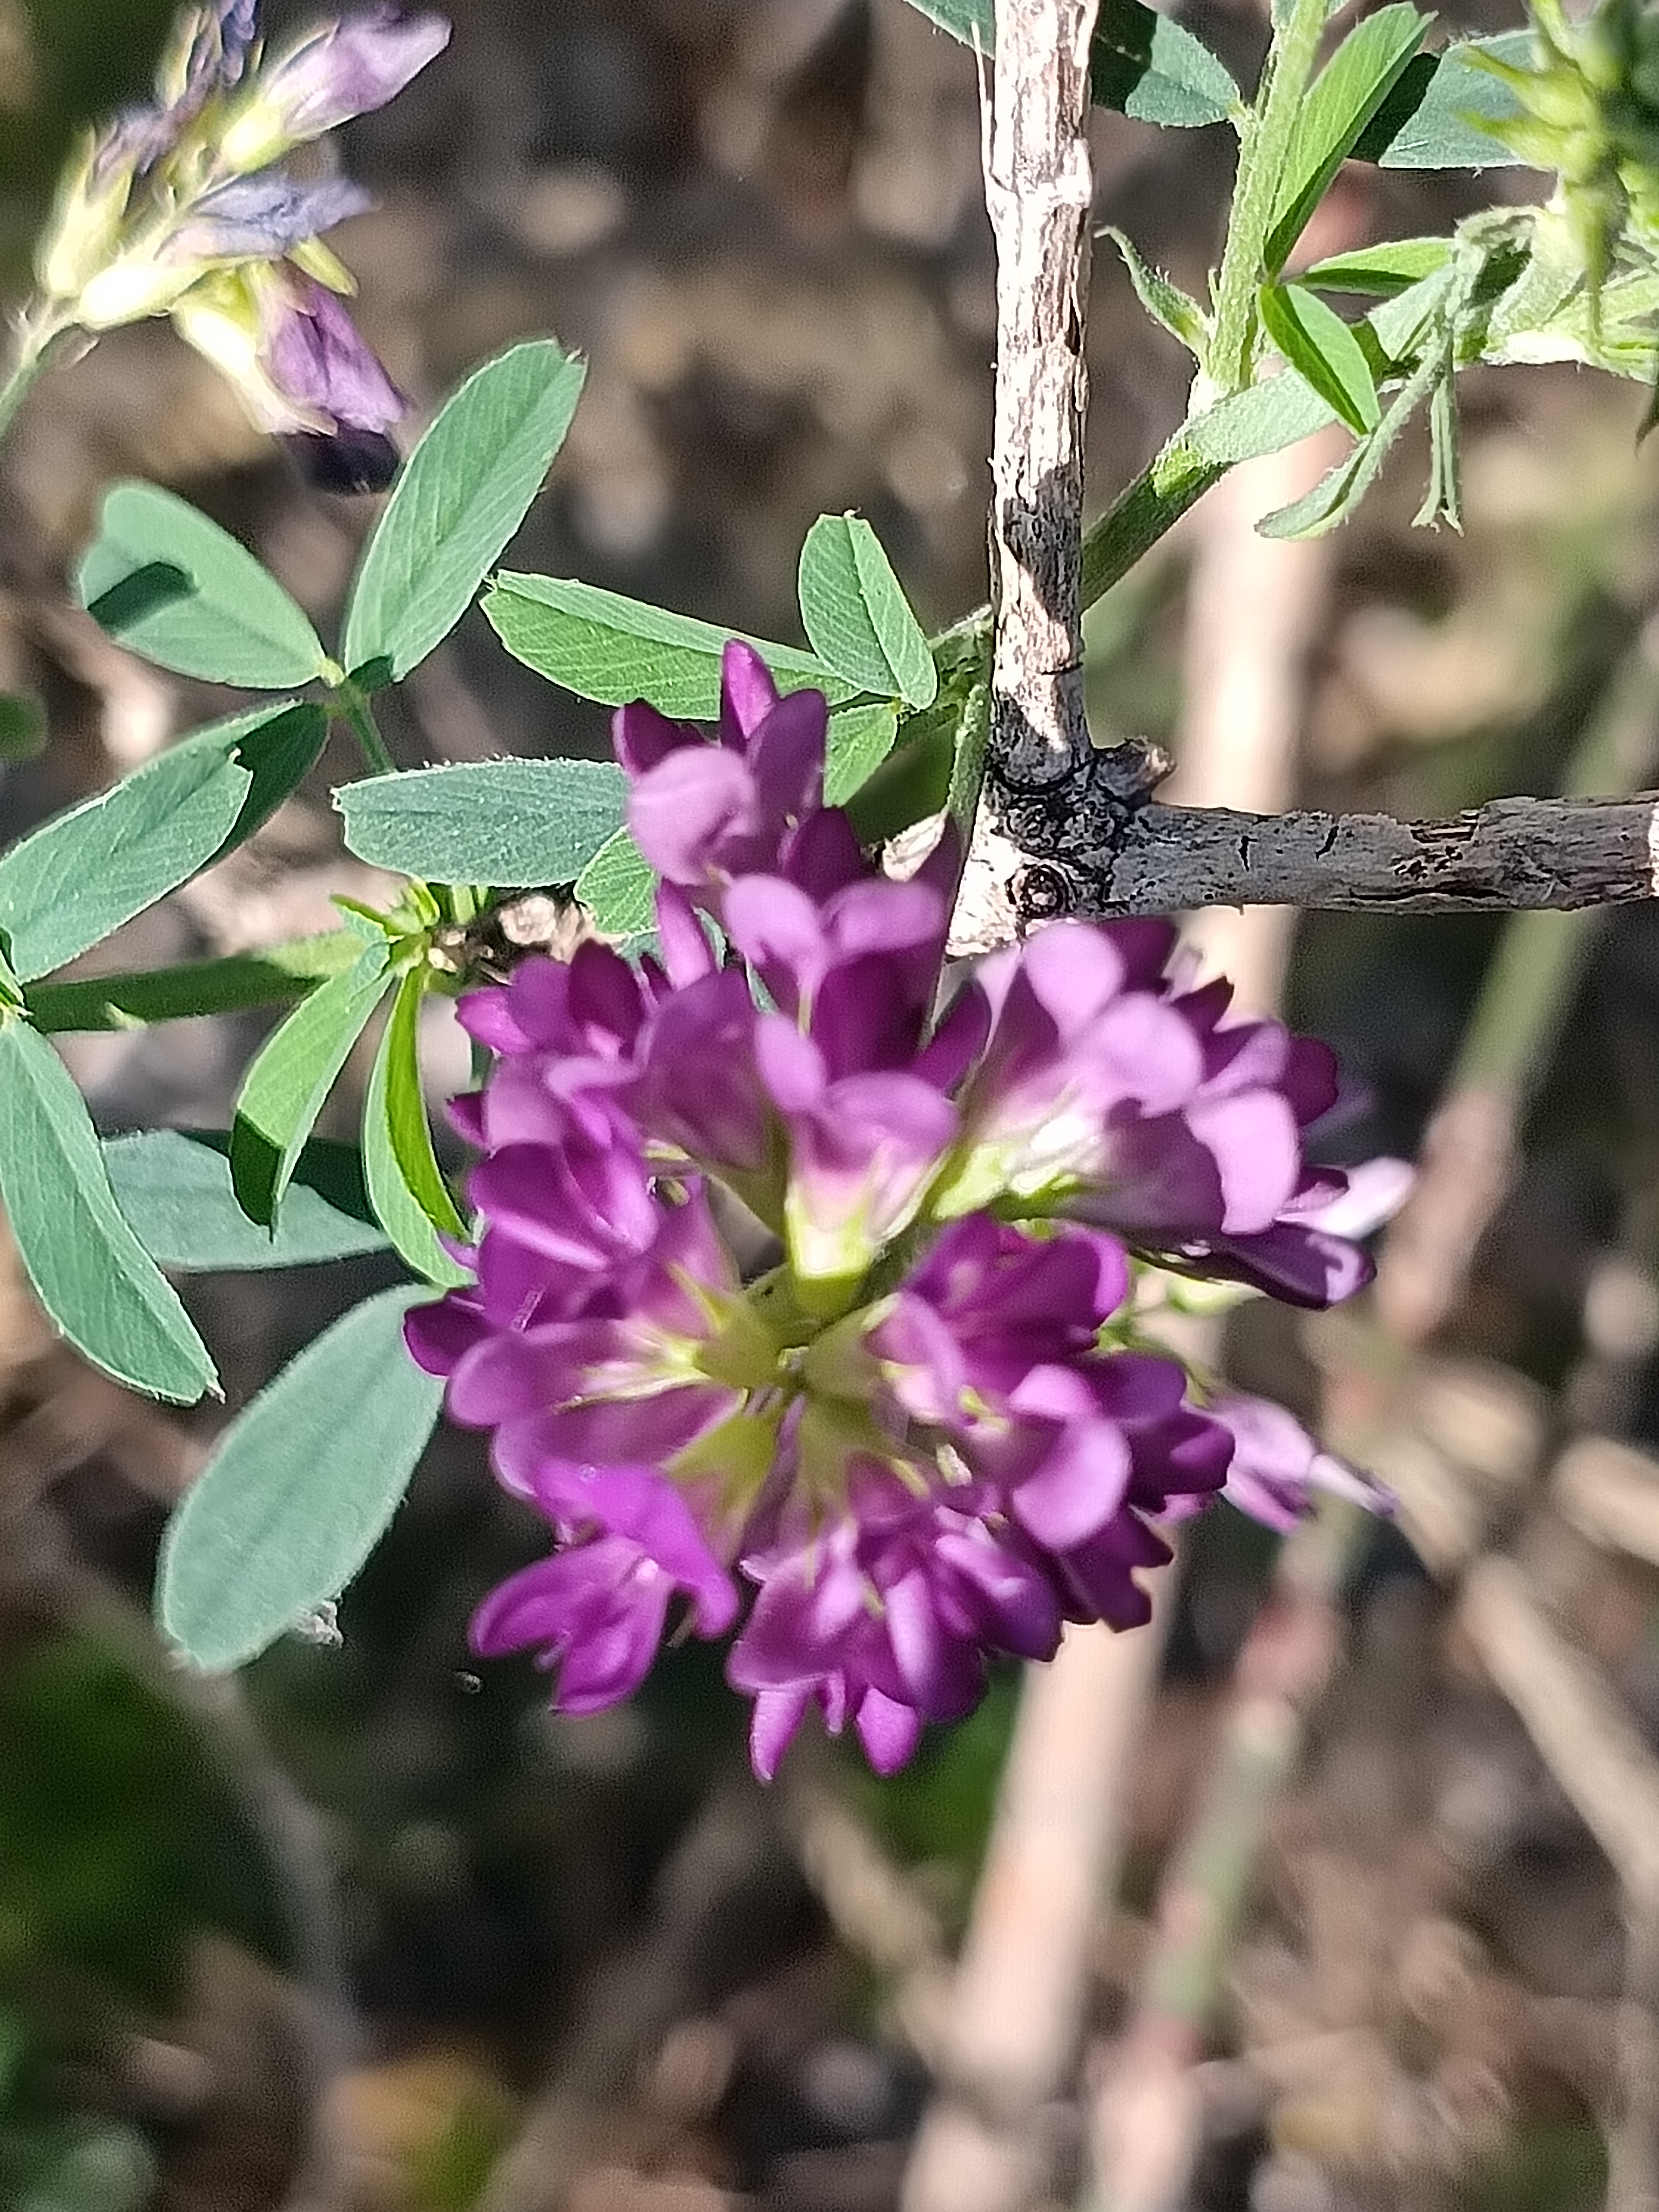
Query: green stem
(37, 345)
(1264, 143)
(968, 768)
(201, 986)
(351, 703)
(1171, 482)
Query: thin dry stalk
(1148, 2120)
(1039, 185)
(1470, 1148)
(1017, 2006)
(1252, 611)
(1019, 1993)
(1581, 1730)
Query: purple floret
(925, 1437)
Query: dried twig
(1609, 1492)
(1094, 849)
(1147, 2122)
(1570, 1710)
(1038, 187)
(1019, 1994)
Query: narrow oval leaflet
(463, 493)
(406, 1188)
(300, 1489)
(1316, 342)
(619, 888)
(854, 611)
(90, 1271)
(165, 580)
(521, 824)
(603, 646)
(284, 1089)
(175, 1187)
(860, 738)
(1345, 96)
(80, 876)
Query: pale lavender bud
(318, 357)
(286, 342)
(343, 69)
(255, 217)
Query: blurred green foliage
(63, 63)
(119, 1840)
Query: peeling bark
(1107, 854)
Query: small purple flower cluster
(927, 1433)
(185, 208)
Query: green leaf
(411, 1133)
(1147, 67)
(1422, 312)
(1443, 501)
(856, 614)
(84, 873)
(175, 1189)
(1142, 63)
(1335, 498)
(914, 779)
(1170, 307)
(1265, 419)
(277, 745)
(860, 738)
(89, 1270)
(409, 1195)
(303, 1485)
(501, 822)
(1380, 270)
(618, 887)
(1431, 120)
(164, 581)
(1316, 342)
(464, 492)
(602, 646)
(1348, 93)
(283, 1091)
(973, 21)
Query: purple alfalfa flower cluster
(926, 1430)
(188, 209)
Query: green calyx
(1590, 112)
